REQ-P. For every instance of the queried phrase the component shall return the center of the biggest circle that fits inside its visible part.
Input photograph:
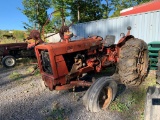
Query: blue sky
(10, 17)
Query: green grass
(35, 69)
(5, 41)
(29, 68)
(26, 61)
(58, 112)
(130, 104)
(16, 33)
(117, 105)
(15, 76)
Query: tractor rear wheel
(133, 62)
(100, 94)
(8, 61)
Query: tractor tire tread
(127, 65)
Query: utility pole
(62, 16)
(36, 12)
(78, 12)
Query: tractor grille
(46, 66)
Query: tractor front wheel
(8, 61)
(100, 94)
(133, 62)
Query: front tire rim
(9, 62)
(105, 97)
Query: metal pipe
(73, 84)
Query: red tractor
(63, 65)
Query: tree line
(68, 11)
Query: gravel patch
(26, 99)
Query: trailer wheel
(8, 61)
(133, 62)
(100, 94)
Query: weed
(142, 116)
(37, 73)
(58, 112)
(33, 69)
(15, 76)
(131, 102)
(50, 118)
(26, 61)
(117, 105)
(19, 35)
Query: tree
(36, 11)
(72, 10)
(62, 12)
(87, 10)
(119, 5)
(107, 7)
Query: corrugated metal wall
(145, 26)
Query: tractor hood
(73, 46)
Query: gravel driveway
(26, 99)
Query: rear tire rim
(105, 97)
(141, 65)
(9, 62)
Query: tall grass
(19, 35)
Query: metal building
(145, 26)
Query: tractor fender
(123, 40)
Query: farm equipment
(10, 52)
(65, 64)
